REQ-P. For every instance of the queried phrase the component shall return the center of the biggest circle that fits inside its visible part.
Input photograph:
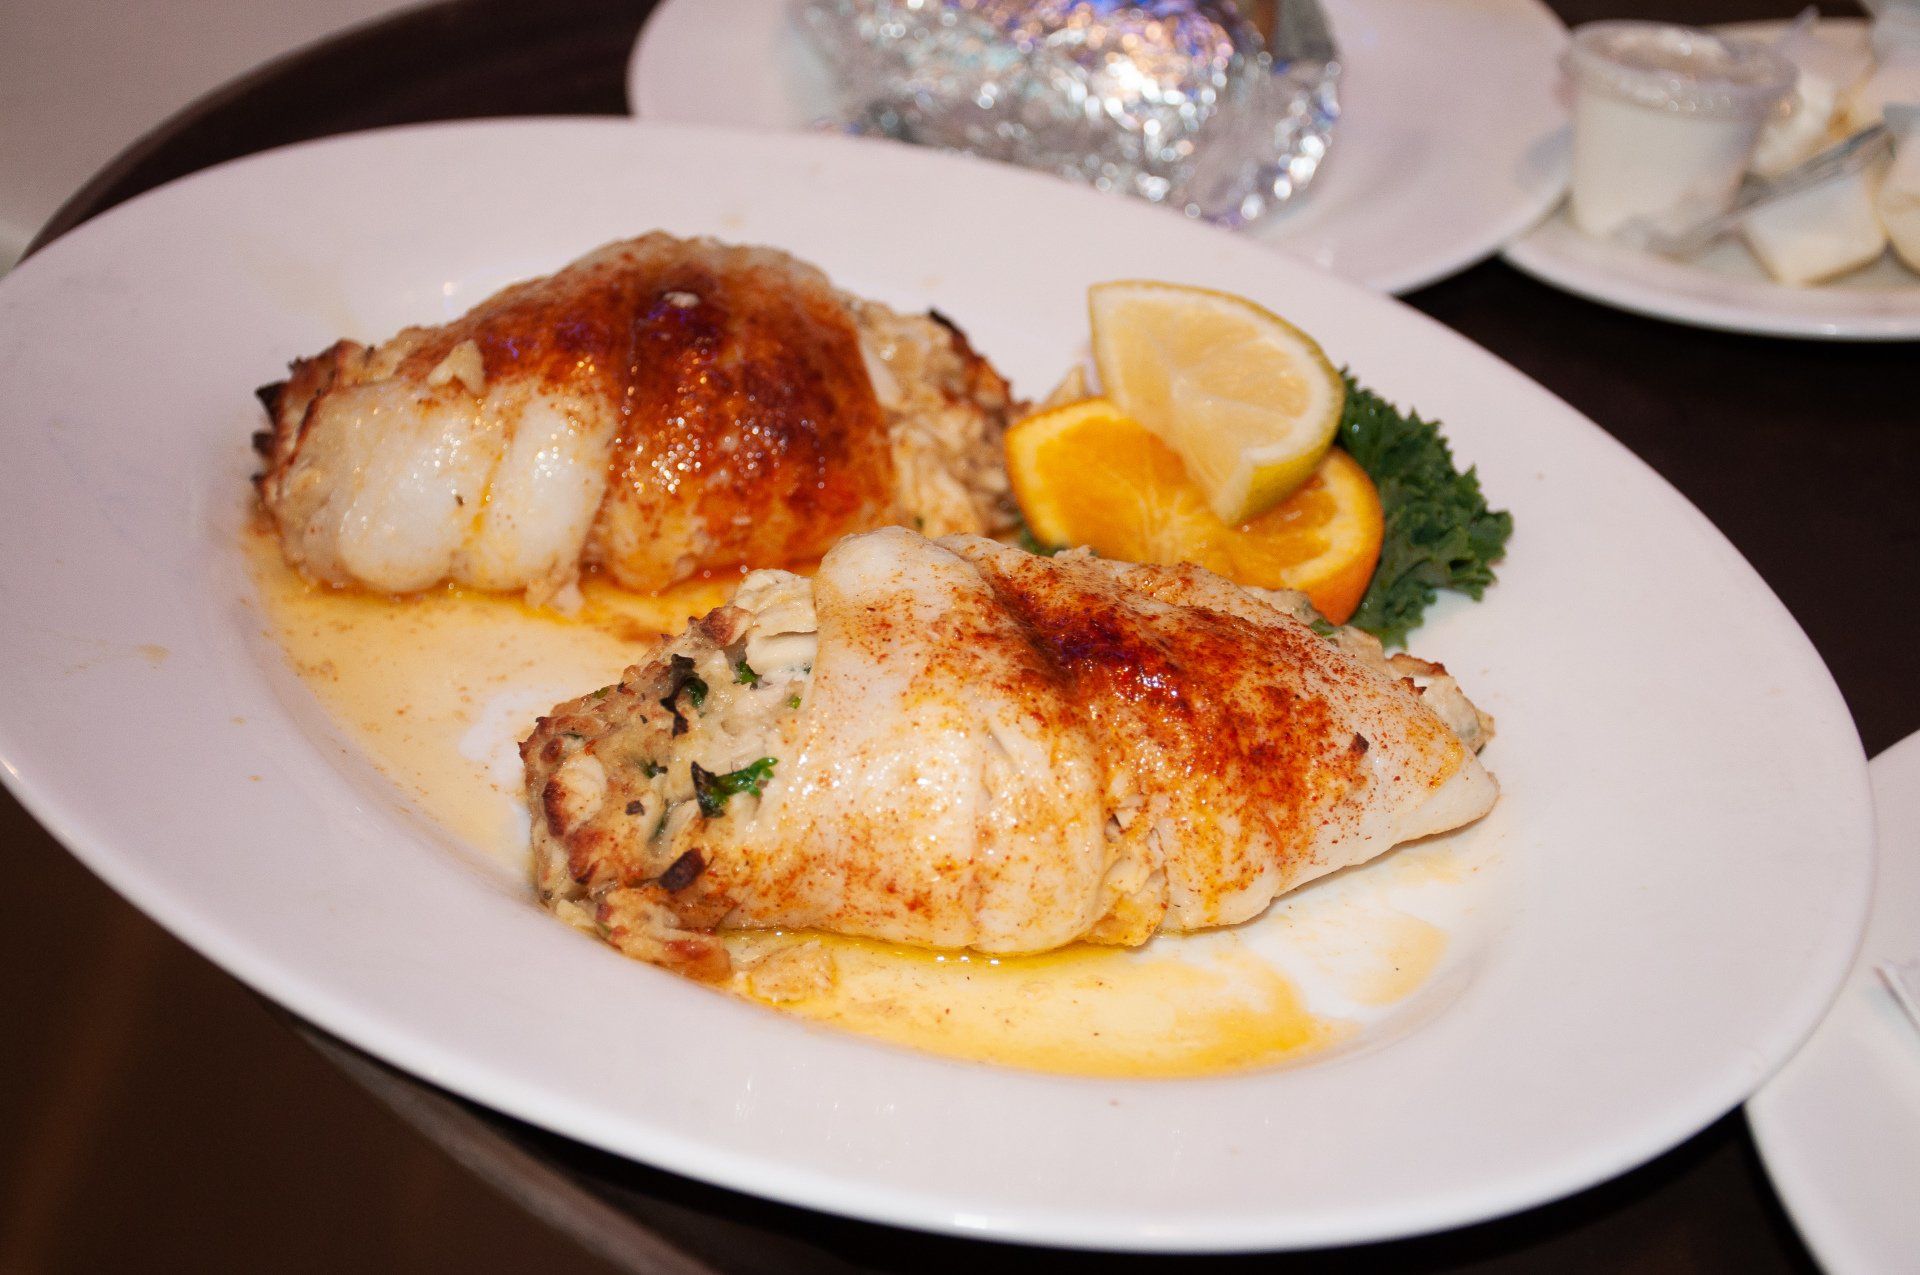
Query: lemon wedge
(1248, 402)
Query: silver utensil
(1855, 153)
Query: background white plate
(1682, 851)
(1444, 149)
(1725, 287)
(1839, 1127)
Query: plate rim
(1829, 1229)
(420, 1055)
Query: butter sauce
(1082, 1010)
(438, 689)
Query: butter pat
(1896, 73)
(1830, 71)
(1821, 232)
(1895, 78)
(1898, 202)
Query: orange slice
(1085, 474)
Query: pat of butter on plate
(1898, 200)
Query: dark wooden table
(1806, 454)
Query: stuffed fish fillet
(955, 743)
(659, 408)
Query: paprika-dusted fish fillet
(660, 407)
(955, 743)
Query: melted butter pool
(437, 690)
(1082, 1010)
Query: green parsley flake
(712, 790)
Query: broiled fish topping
(959, 744)
(658, 408)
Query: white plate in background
(1839, 1127)
(1444, 149)
(1725, 287)
(1676, 873)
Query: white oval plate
(1444, 150)
(1682, 851)
(1725, 287)
(1839, 1127)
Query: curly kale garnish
(712, 790)
(1440, 534)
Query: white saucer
(1445, 148)
(1839, 1127)
(1726, 287)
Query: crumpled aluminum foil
(1224, 112)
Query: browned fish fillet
(659, 408)
(959, 744)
